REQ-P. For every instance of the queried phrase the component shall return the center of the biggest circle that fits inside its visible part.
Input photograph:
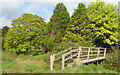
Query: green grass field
(11, 63)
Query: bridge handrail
(78, 54)
(52, 57)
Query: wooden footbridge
(78, 55)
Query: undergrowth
(12, 63)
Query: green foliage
(95, 25)
(26, 32)
(63, 46)
(48, 44)
(119, 42)
(35, 52)
(56, 27)
(4, 31)
(103, 23)
(112, 61)
(77, 30)
(58, 22)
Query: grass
(12, 63)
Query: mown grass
(12, 63)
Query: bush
(111, 61)
(35, 52)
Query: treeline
(96, 25)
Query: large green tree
(56, 28)
(58, 22)
(103, 23)
(77, 30)
(25, 34)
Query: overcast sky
(12, 9)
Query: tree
(4, 31)
(58, 22)
(56, 28)
(77, 30)
(25, 33)
(113, 58)
(103, 23)
(118, 48)
(119, 32)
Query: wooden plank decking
(92, 59)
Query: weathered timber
(53, 58)
(66, 54)
(88, 54)
(64, 51)
(98, 53)
(105, 52)
(58, 58)
(81, 57)
(92, 47)
(92, 51)
(51, 62)
(63, 60)
(90, 60)
(79, 53)
(71, 57)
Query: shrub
(111, 61)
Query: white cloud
(36, 6)
(4, 22)
(32, 7)
(71, 6)
(11, 0)
(11, 9)
(42, 9)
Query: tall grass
(12, 63)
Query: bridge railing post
(53, 58)
(91, 51)
(88, 54)
(51, 62)
(105, 52)
(79, 53)
(98, 53)
(63, 60)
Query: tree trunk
(52, 33)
